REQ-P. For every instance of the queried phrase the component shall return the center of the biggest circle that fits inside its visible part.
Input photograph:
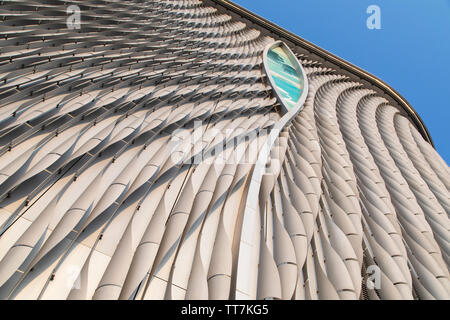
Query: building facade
(193, 150)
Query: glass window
(285, 75)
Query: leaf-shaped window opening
(286, 76)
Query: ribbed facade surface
(128, 148)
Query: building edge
(339, 64)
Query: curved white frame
(298, 68)
(246, 280)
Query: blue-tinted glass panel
(289, 81)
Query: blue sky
(411, 52)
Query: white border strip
(247, 275)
